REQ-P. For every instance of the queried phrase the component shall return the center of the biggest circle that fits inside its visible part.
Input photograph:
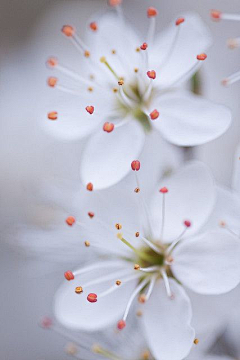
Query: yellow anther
(113, 51)
(119, 236)
(136, 70)
(118, 226)
(78, 290)
(91, 76)
(103, 59)
(90, 89)
(137, 234)
(115, 90)
(196, 341)
(121, 82)
(86, 53)
(137, 190)
(137, 49)
(136, 267)
(87, 243)
(139, 313)
(118, 282)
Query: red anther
(91, 214)
(90, 109)
(114, 2)
(92, 298)
(163, 190)
(46, 322)
(52, 62)
(53, 115)
(187, 223)
(68, 30)
(121, 324)
(154, 114)
(201, 57)
(69, 275)
(216, 14)
(151, 74)
(108, 127)
(52, 81)
(93, 26)
(151, 12)
(179, 21)
(89, 187)
(70, 220)
(135, 165)
(144, 46)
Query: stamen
(151, 287)
(187, 224)
(141, 254)
(142, 299)
(53, 115)
(116, 286)
(52, 62)
(134, 294)
(118, 282)
(179, 21)
(121, 324)
(218, 15)
(231, 79)
(154, 114)
(104, 61)
(89, 186)
(149, 269)
(108, 127)
(114, 2)
(144, 46)
(135, 165)
(106, 278)
(93, 26)
(87, 243)
(233, 43)
(164, 191)
(105, 353)
(70, 220)
(137, 234)
(151, 245)
(94, 267)
(118, 226)
(90, 109)
(196, 341)
(167, 285)
(152, 12)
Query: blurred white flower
(125, 87)
(151, 259)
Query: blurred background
(28, 157)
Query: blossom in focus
(128, 85)
(151, 254)
(233, 43)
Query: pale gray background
(27, 287)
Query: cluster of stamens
(132, 100)
(151, 261)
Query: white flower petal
(191, 197)
(75, 312)
(236, 172)
(107, 157)
(208, 263)
(167, 323)
(188, 120)
(194, 38)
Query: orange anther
(91, 214)
(52, 81)
(93, 26)
(121, 324)
(163, 190)
(216, 14)
(201, 57)
(53, 115)
(114, 2)
(89, 187)
(151, 74)
(69, 275)
(151, 12)
(179, 21)
(52, 62)
(90, 109)
(108, 127)
(68, 30)
(70, 220)
(154, 114)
